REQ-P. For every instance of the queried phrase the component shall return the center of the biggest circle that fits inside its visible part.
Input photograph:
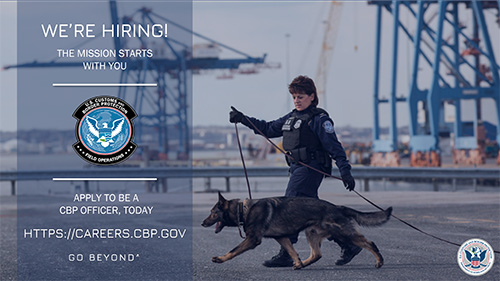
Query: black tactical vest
(298, 134)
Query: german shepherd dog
(280, 217)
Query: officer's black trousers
(303, 182)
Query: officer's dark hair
(304, 85)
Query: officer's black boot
(349, 251)
(282, 259)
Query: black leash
(243, 161)
(331, 176)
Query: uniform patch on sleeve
(328, 126)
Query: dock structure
(454, 60)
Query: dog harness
(241, 210)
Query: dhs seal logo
(104, 130)
(475, 257)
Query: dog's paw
(217, 260)
(379, 264)
(297, 266)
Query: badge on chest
(292, 122)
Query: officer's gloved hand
(349, 182)
(235, 116)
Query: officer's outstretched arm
(270, 129)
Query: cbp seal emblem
(475, 257)
(328, 126)
(104, 130)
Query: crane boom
(325, 58)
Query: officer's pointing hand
(349, 182)
(235, 116)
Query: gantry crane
(463, 67)
(164, 108)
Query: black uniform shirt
(321, 124)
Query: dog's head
(218, 215)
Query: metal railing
(359, 172)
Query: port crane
(328, 44)
(164, 109)
(463, 67)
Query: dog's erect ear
(221, 198)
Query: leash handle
(243, 161)
(331, 176)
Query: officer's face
(302, 101)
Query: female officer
(309, 136)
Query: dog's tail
(368, 218)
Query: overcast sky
(258, 28)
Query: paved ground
(8, 241)
(409, 255)
(153, 257)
